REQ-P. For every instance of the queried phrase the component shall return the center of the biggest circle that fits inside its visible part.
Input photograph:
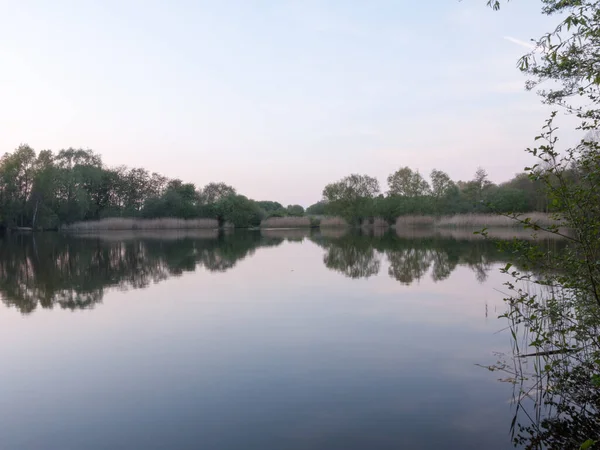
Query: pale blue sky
(276, 97)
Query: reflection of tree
(72, 272)
(443, 265)
(359, 254)
(351, 254)
(478, 261)
(408, 265)
(352, 261)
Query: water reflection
(411, 255)
(72, 272)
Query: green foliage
(269, 206)
(239, 211)
(350, 188)
(404, 182)
(441, 184)
(507, 199)
(351, 197)
(317, 209)
(295, 210)
(214, 192)
(410, 194)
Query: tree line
(359, 197)
(46, 189)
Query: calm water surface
(272, 340)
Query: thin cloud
(527, 45)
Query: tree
(505, 199)
(407, 183)
(43, 193)
(17, 176)
(317, 209)
(351, 187)
(441, 184)
(295, 210)
(213, 192)
(474, 191)
(239, 211)
(270, 206)
(351, 197)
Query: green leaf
(587, 444)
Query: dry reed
(285, 222)
(415, 221)
(493, 220)
(118, 223)
(333, 222)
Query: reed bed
(415, 221)
(118, 223)
(493, 220)
(474, 221)
(333, 222)
(286, 222)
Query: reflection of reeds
(416, 232)
(469, 234)
(498, 233)
(167, 235)
(117, 223)
(334, 232)
(377, 222)
(297, 234)
(333, 222)
(286, 222)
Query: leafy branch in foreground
(554, 302)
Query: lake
(280, 339)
